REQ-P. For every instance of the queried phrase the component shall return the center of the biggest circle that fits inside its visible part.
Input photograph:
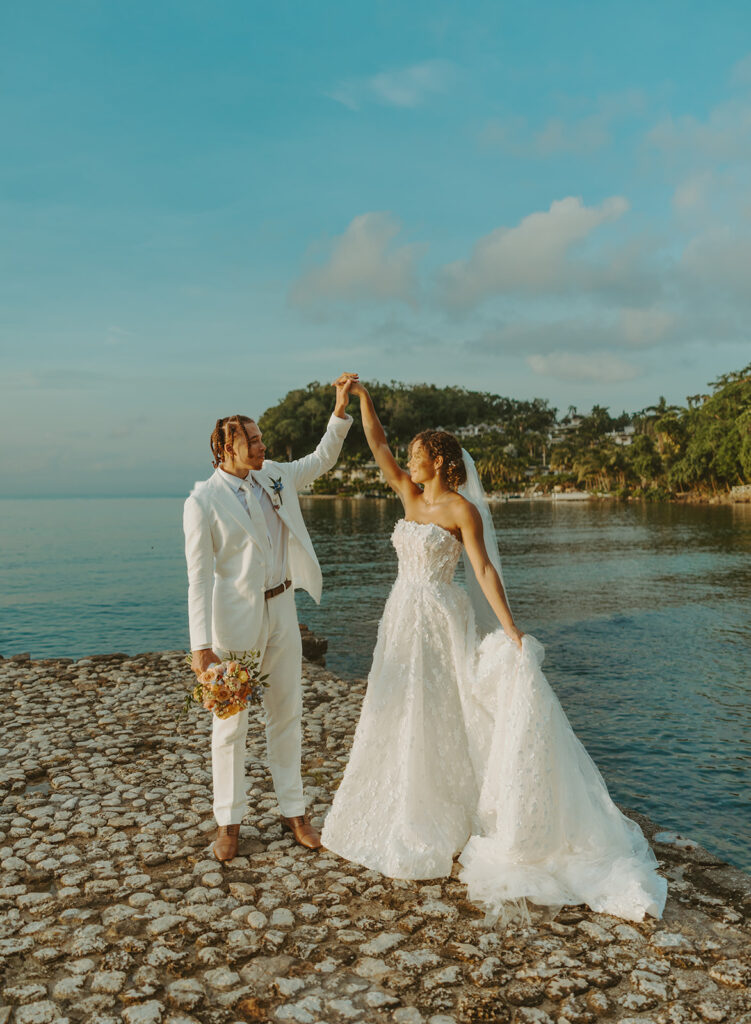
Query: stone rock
(88, 939)
(637, 1001)
(43, 1012)
(282, 918)
(731, 973)
(444, 976)
(597, 1002)
(371, 967)
(222, 979)
(143, 1013)
(562, 985)
(533, 1015)
(68, 988)
(25, 993)
(711, 1012)
(242, 891)
(574, 1011)
(649, 984)
(382, 943)
(212, 879)
(523, 993)
(288, 986)
(109, 982)
(407, 1015)
(15, 946)
(163, 924)
(415, 961)
(596, 932)
(670, 940)
(313, 647)
(344, 1008)
(377, 999)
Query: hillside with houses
(701, 450)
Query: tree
(705, 446)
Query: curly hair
(225, 432)
(440, 442)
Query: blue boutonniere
(277, 487)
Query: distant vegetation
(662, 451)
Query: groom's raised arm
(307, 469)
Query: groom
(247, 549)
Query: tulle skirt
(547, 830)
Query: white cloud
(645, 326)
(725, 134)
(555, 136)
(741, 72)
(580, 331)
(691, 194)
(404, 87)
(718, 261)
(531, 257)
(559, 134)
(363, 265)
(603, 367)
(586, 136)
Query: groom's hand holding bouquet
(227, 687)
(200, 661)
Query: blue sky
(204, 205)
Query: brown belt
(278, 590)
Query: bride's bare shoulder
(465, 510)
(460, 505)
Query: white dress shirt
(276, 529)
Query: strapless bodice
(427, 553)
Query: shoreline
(500, 499)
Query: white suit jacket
(226, 549)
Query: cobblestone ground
(113, 909)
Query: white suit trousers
(281, 650)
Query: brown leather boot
(303, 832)
(225, 847)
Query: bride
(462, 747)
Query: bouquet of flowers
(230, 686)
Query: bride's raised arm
(397, 478)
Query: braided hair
(440, 442)
(225, 432)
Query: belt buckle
(279, 589)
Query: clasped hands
(344, 384)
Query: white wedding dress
(462, 747)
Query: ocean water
(644, 610)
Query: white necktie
(254, 509)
